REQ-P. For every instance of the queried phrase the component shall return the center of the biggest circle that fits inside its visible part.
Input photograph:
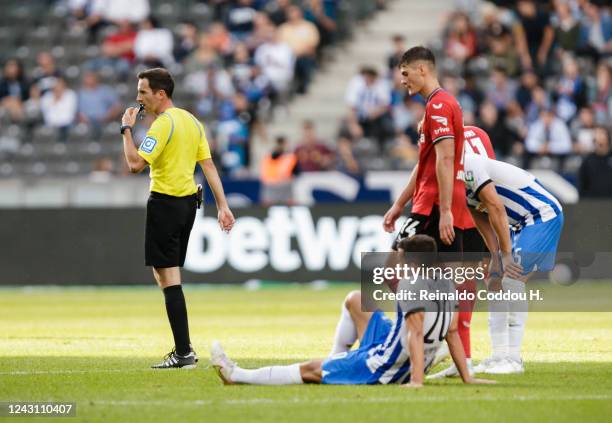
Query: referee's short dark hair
(418, 53)
(159, 79)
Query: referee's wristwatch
(124, 127)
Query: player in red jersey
(475, 249)
(437, 192)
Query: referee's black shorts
(169, 223)
(429, 225)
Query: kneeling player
(399, 351)
(498, 195)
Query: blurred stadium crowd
(536, 75)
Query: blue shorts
(350, 368)
(534, 247)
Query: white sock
(273, 375)
(517, 317)
(346, 333)
(498, 328)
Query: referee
(172, 146)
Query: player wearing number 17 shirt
(436, 190)
(521, 221)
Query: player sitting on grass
(399, 351)
(500, 195)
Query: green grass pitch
(94, 346)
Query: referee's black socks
(177, 315)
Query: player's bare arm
(134, 161)
(498, 220)
(414, 326)
(445, 174)
(396, 209)
(224, 215)
(458, 354)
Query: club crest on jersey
(440, 119)
(468, 176)
(148, 145)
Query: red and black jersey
(443, 121)
(478, 141)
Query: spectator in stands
(277, 62)
(234, 133)
(570, 90)
(501, 49)
(303, 38)
(583, 131)
(548, 136)
(322, 14)
(278, 11)
(221, 40)
(528, 82)
(103, 170)
(539, 101)
(212, 86)
(14, 90)
(45, 73)
(241, 66)
(187, 40)
(154, 45)
(346, 162)
(595, 172)
(203, 57)
(117, 50)
(113, 11)
(596, 31)
(261, 33)
(277, 171)
(502, 137)
(312, 154)
(240, 19)
(59, 108)
(399, 47)
(501, 89)
(566, 27)
(538, 34)
(97, 104)
(601, 93)
(461, 39)
(370, 104)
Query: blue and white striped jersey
(526, 201)
(390, 361)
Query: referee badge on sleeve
(148, 144)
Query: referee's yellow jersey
(173, 145)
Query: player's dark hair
(417, 53)
(159, 79)
(420, 249)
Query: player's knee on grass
(311, 371)
(353, 301)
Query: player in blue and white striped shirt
(500, 195)
(399, 351)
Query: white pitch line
(271, 401)
(69, 372)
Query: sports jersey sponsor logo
(422, 138)
(148, 145)
(441, 131)
(440, 119)
(468, 176)
(437, 106)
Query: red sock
(465, 316)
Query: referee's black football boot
(172, 360)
